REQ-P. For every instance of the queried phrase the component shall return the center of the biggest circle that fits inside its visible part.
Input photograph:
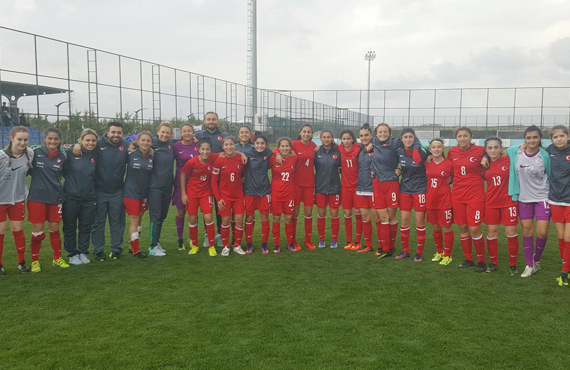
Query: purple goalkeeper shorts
(177, 198)
(538, 210)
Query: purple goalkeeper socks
(179, 226)
(528, 244)
(540, 243)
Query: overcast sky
(320, 44)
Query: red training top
(305, 173)
(468, 183)
(226, 178)
(282, 175)
(349, 159)
(497, 177)
(438, 194)
(198, 176)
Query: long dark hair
(301, 129)
(56, 131)
(533, 128)
(343, 132)
(333, 144)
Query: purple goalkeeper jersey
(182, 154)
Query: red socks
(493, 248)
(249, 226)
(367, 231)
(466, 246)
(55, 241)
(238, 236)
(385, 236)
(264, 231)
(358, 217)
(566, 259)
(405, 239)
(36, 245)
(480, 248)
(348, 229)
(193, 232)
(289, 228)
(513, 245)
(335, 226)
(277, 232)
(135, 243)
(308, 228)
(211, 231)
(321, 227)
(1, 247)
(393, 235)
(561, 247)
(438, 240)
(20, 241)
(225, 234)
(421, 239)
(378, 232)
(449, 239)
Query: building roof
(19, 89)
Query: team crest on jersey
(58, 160)
(239, 166)
(92, 160)
(169, 147)
(335, 156)
(473, 159)
(150, 160)
(568, 157)
(370, 154)
(505, 168)
(121, 148)
(219, 138)
(209, 168)
(265, 158)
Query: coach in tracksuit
(109, 175)
(80, 205)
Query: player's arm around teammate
(184, 150)
(139, 169)
(196, 187)
(559, 195)
(327, 187)
(228, 189)
(46, 197)
(499, 206)
(349, 150)
(529, 185)
(80, 205)
(15, 161)
(413, 187)
(283, 193)
(257, 189)
(438, 202)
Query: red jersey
(497, 177)
(349, 159)
(226, 178)
(438, 195)
(199, 176)
(305, 173)
(282, 175)
(468, 183)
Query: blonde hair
(87, 131)
(8, 149)
(166, 124)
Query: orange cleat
(378, 252)
(364, 250)
(310, 245)
(296, 245)
(356, 247)
(349, 246)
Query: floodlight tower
(252, 58)
(369, 56)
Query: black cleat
(2, 273)
(481, 267)
(100, 257)
(181, 245)
(114, 255)
(492, 267)
(383, 254)
(391, 252)
(22, 267)
(466, 264)
(140, 255)
(513, 270)
(130, 250)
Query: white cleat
(238, 250)
(156, 251)
(84, 259)
(527, 271)
(226, 251)
(75, 260)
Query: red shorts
(470, 214)
(415, 201)
(348, 198)
(206, 204)
(304, 194)
(38, 213)
(560, 214)
(331, 200)
(253, 203)
(135, 207)
(282, 206)
(441, 217)
(237, 206)
(507, 216)
(16, 212)
(363, 201)
(386, 194)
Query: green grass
(321, 309)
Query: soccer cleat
(219, 240)
(418, 258)
(466, 264)
(563, 279)
(194, 249)
(348, 246)
(364, 250)
(156, 251)
(527, 271)
(130, 250)
(378, 251)
(264, 249)
(297, 246)
(83, 257)
(492, 267)
(36, 266)
(310, 245)
(238, 250)
(22, 267)
(334, 244)
(445, 261)
(2, 272)
(536, 266)
(437, 257)
(291, 247)
(140, 255)
(322, 244)
(277, 249)
(481, 267)
(206, 242)
(513, 270)
(212, 251)
(60, 263)
(382, 254)
(249, 248)
(75, 260)
(101, 256)
(391, 252)
(161, 249)
(402, 255)
(181, 246)
(226, 251)
(114, 255)
(356, 247)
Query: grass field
(321, 309)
